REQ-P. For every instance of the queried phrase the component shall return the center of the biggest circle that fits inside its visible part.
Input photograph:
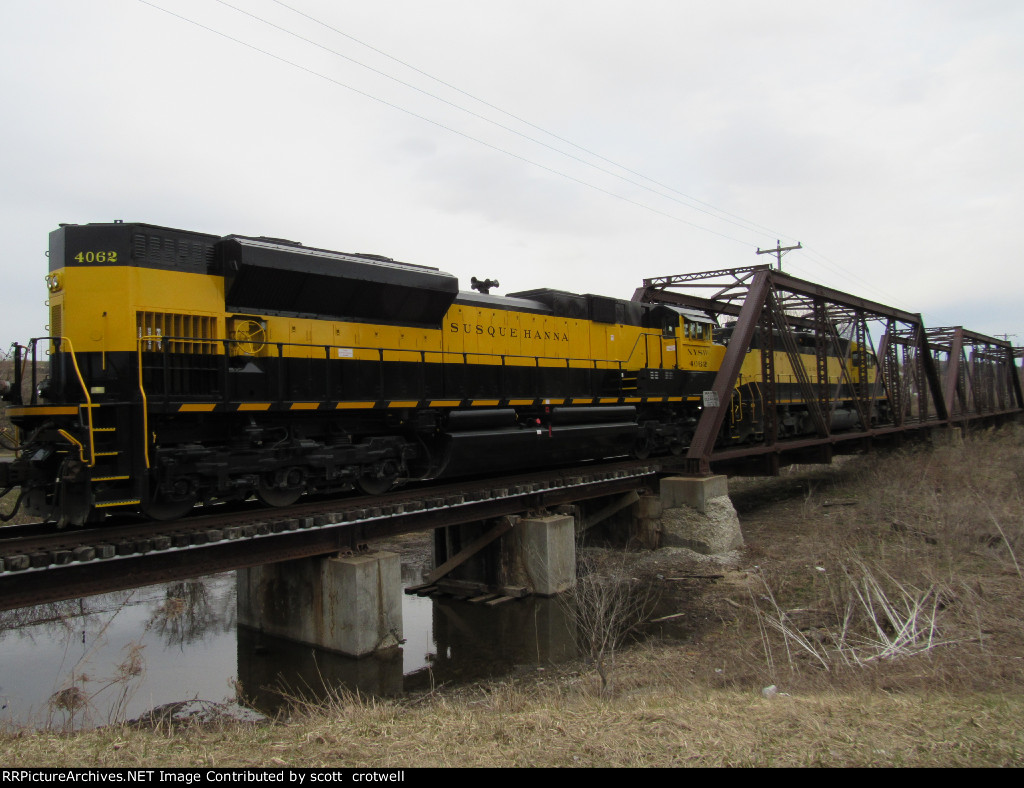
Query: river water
(115, 656)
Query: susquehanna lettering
(502, 331)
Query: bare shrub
(607, 604)
(965, 503)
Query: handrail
(377, 349)
(73, 441)
(88, 397)
(647, 352)
(164, 343)
(145, 402)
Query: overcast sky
(604, 141)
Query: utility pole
(779, 250)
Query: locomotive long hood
(280, 277)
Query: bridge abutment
(351, 604)
(697, 514)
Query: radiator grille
(179, 332)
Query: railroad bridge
(515, 535)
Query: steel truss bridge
(927, 377)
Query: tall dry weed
(914, 569)
(957, 508)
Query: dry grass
(658, 723)
(881, 597)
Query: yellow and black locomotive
(187, 368)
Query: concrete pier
(692, 491)
(351, 604)
(697, 514)
(546, 548)
(647, 530)
(528, 555)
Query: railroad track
(36, 549)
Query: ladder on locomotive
(105, 457)
(111, 469)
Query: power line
(524, 121)
(849, 276)
(438, 124)
(746, 225)
(742, 223)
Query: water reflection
(272, 670)
(448, 642)
(111, 657)
(114, 657)
(474, 641)
(190, 612)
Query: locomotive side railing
(163, 344)
(145, 409)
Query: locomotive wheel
(375, 485)
(164, 504)
(642, 448)
(272, 495)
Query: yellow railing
(88, 402)
(145, 403)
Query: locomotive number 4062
(96, 257)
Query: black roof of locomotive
(279, 276)
(492, 301)
(132, 243)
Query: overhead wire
(438, 124)
(744, 224)
(853, 277)
(741, 223)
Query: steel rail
(280, 538)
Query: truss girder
(699, 455)
(912, 385)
